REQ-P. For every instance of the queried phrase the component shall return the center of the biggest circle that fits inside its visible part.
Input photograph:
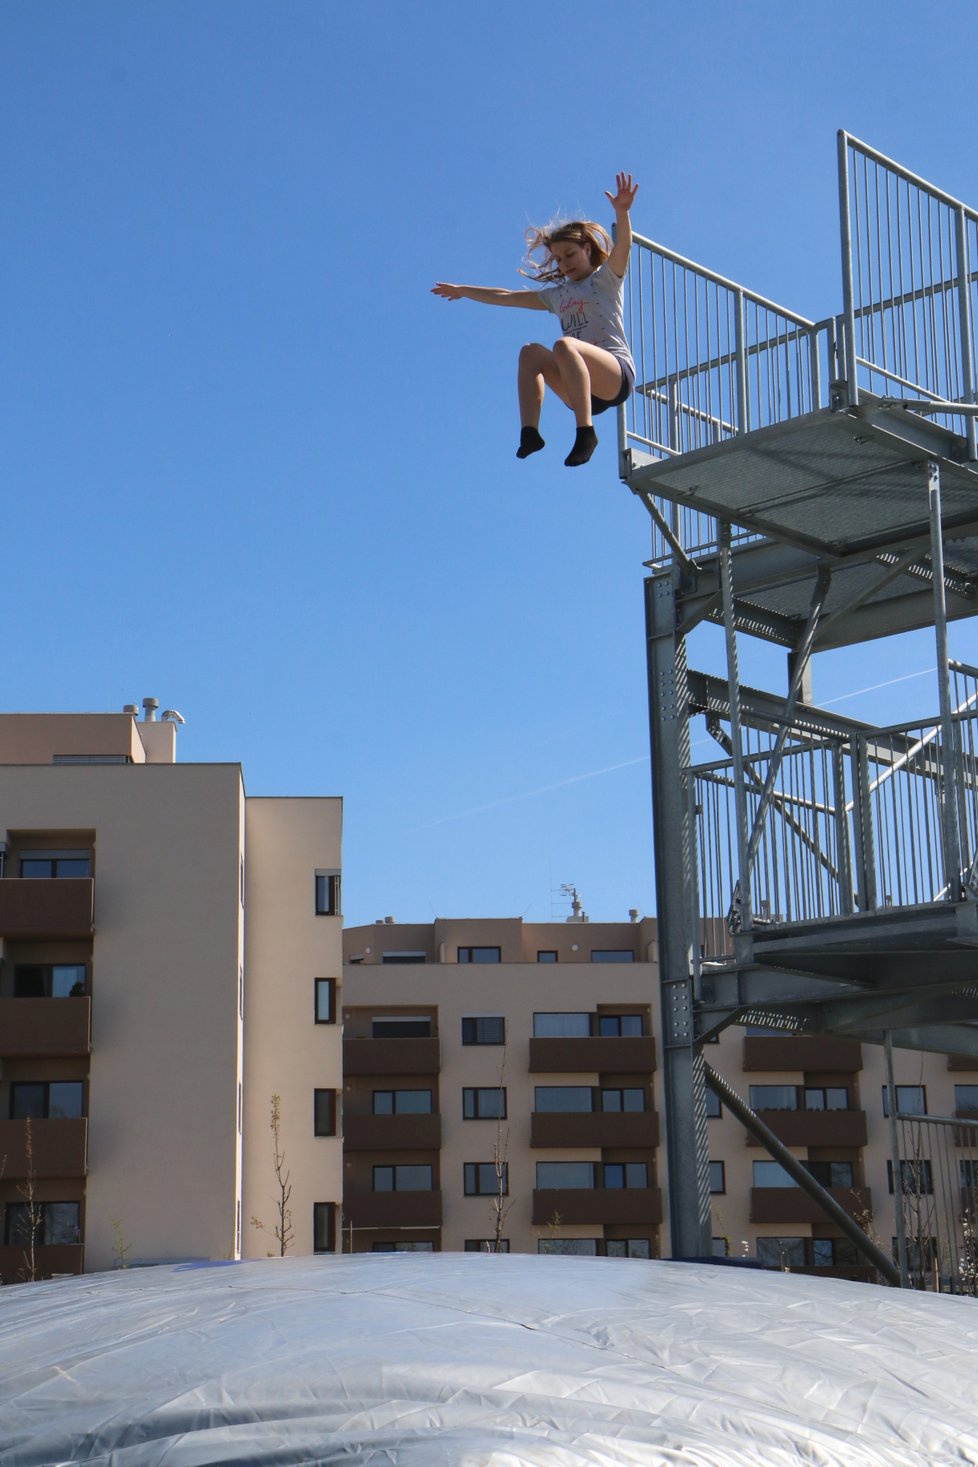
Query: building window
(547, 955)
(47, 1100)
(718, 1178)
(486, 1245)
(486, 1103)
(830, 1173)
(619, 1175)
(834, 1253)
(402, 1245)
(713, 1107)
(966, 1100)
(327, 893)
(402, 1102)
(781, 1252)
(324, 1227)
(921, 1255)
(620, 1026)
(56, 863)
(911, 1100)
(826, 1097)
(402, 1178)
(396, 1028)
(324, 1112)
(325, 1000)
(569, 1247)
(484, 1029)
(482, 1180)
(774, 1097)
(628, 1248)
(49, 980)
(403, 957)
(720, 1247)
(916, 1178)
(55, 1224)
(771, 1174)
(568, 1099)
(627, 1097)
(479, 955)
(561, 1026)
(968, 1173)
(612, 955)
(574, 1175)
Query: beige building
(169, 960)
(473, 1046)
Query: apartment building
(492, 1064)
(170, 960)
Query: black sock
(584, 445)
(530, 442)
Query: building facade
(154, 923)
(501, 1085)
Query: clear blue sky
(252, 467)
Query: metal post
(862, 825)
(964, 315)
(949, 791)
(848, 311)
(687, 1149)
(741, 348)
(737, 747)
(899, 1219)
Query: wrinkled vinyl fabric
(471, 1360)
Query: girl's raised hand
(447, 292)
(622, 201)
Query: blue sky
(251, 465)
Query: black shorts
(601, 404)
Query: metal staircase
(815, 485)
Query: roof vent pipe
(132, 708)
(150, 706)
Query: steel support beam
(687, 1148)
(798, 1173)
(949, 801)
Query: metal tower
(813, 484)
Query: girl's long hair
(563, 231)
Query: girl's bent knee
(532, 354)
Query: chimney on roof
(150, 706)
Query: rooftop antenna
(578, 913)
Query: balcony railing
(802, 1052)
(624, 1055)
(392, 1133)
(364, 1209)
(391, 1056)
(59, 1148)
(792, 1205)
(815, 1127)
(45, 1028)
(33, 908)
(49, 1260)
(604, 1205)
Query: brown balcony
(594, 1128)
(802, 1052)
(60, 1148)
(815, 1127)
(392, 1133)
(392, 1209)
(792, 1205)
(597, 1055)
(962, 1061)
(45, 1028)
(49, 1259)
(391, 1057)
(631, 1206)
(34, 907)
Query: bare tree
(284, 1231)
(35, 1218)
(500, 1154)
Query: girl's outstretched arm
(621, 202)
(489, 296)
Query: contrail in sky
(546, 789)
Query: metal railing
(855, 823)
(910, 286)
(713, 360)
(938, 1195)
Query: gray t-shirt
(591, 310)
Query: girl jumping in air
(590, 368)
